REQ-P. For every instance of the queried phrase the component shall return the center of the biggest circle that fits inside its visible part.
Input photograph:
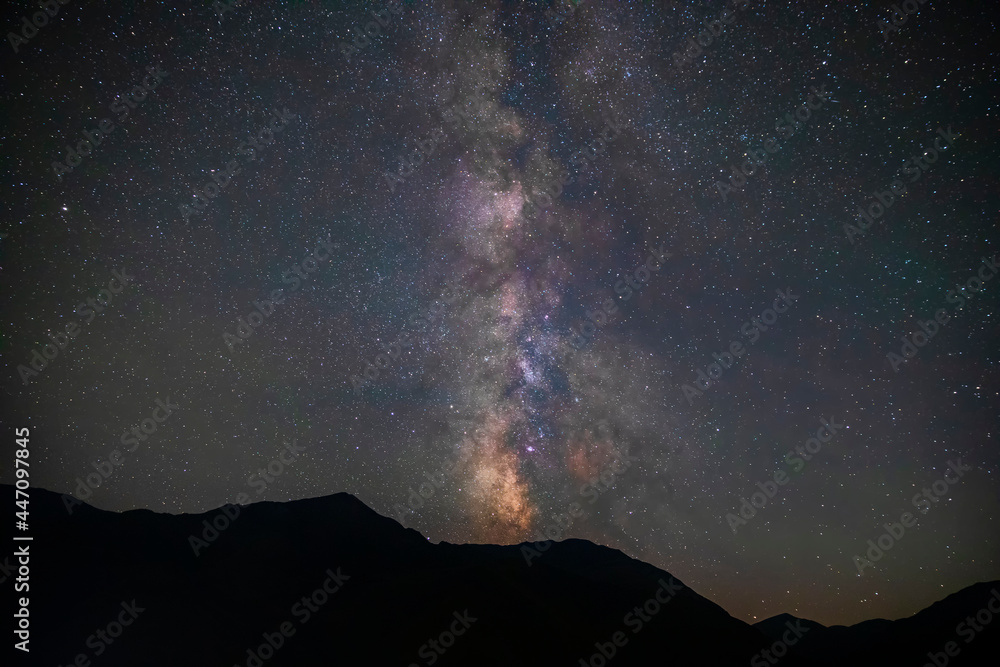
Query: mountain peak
(377, 591)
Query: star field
(441, 341)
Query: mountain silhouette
(907, 641)
(328, 581)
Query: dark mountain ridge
(907, 640)
(327, 580)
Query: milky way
(532, 260)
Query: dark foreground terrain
(327, 581)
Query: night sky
(375, 205)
